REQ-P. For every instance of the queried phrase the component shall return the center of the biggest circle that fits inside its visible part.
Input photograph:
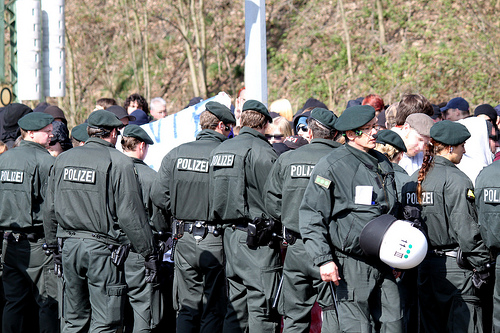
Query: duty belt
(82, 234)
(189, 226)
(443, 253)
(200, 229)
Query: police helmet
(396, 242)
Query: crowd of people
(249, 227)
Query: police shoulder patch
(322, 181)
(470, 194)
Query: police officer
(392, 146)
(448, 300)
(79, 135)
(23, 181)
(240, 167)
(487, 202)
(95, 205)
(183, 189)
(284, 190)
(347, 189)
(145, 298)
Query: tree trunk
(347, 38)
(381, 27)
(71, 82)
(132, 45)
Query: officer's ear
(351, 135)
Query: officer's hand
(151, 264)
(330, 272)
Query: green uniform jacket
(240, 167)
(147, 177)
(288, 180)
(182, 186)
(23, 181)
(448, 210)
(94, 188)
(348, 188)
(488, 204)
(401, 177)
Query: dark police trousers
(28, 273)
(199, 284)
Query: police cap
(79, 132)
(35, 121)
(221, 112)
(449, 132)
(355, 117)
(325, 117)
(391, 138)
(104, 119)
(136, 131)
(257, 106)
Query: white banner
(176, 129)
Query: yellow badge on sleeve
(470, 194)
(322, 181)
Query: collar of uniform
(99, 141)
(364, 157)
(208, 134)
(331, 143)
(138, 161)
(251, 131)
(443, 161)
(33, 144)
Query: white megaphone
(396, 242)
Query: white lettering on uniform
(79, 175)
(427, 198)
(301, 170)
(223, 160)
(189, 164)
(11, 176)
(491, 195)
(411, 198)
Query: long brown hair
(432, 148)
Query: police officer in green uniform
(95, 205)
(447, 296)
(284, 190)
(145, 298)
(182, 188)
(347, 189)
(240, 167)
(488, 209)
(392, 146)
(27, 271)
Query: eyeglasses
(365, 130)
(276, 136)
(302, 128)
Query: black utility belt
(199, 229)
(13, 236)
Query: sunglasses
(303, 128)
(276, 136)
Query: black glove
(151, 263)
(480, 278)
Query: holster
(177, 229)
(119, 253)
(260, 232)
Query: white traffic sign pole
(255, 50)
